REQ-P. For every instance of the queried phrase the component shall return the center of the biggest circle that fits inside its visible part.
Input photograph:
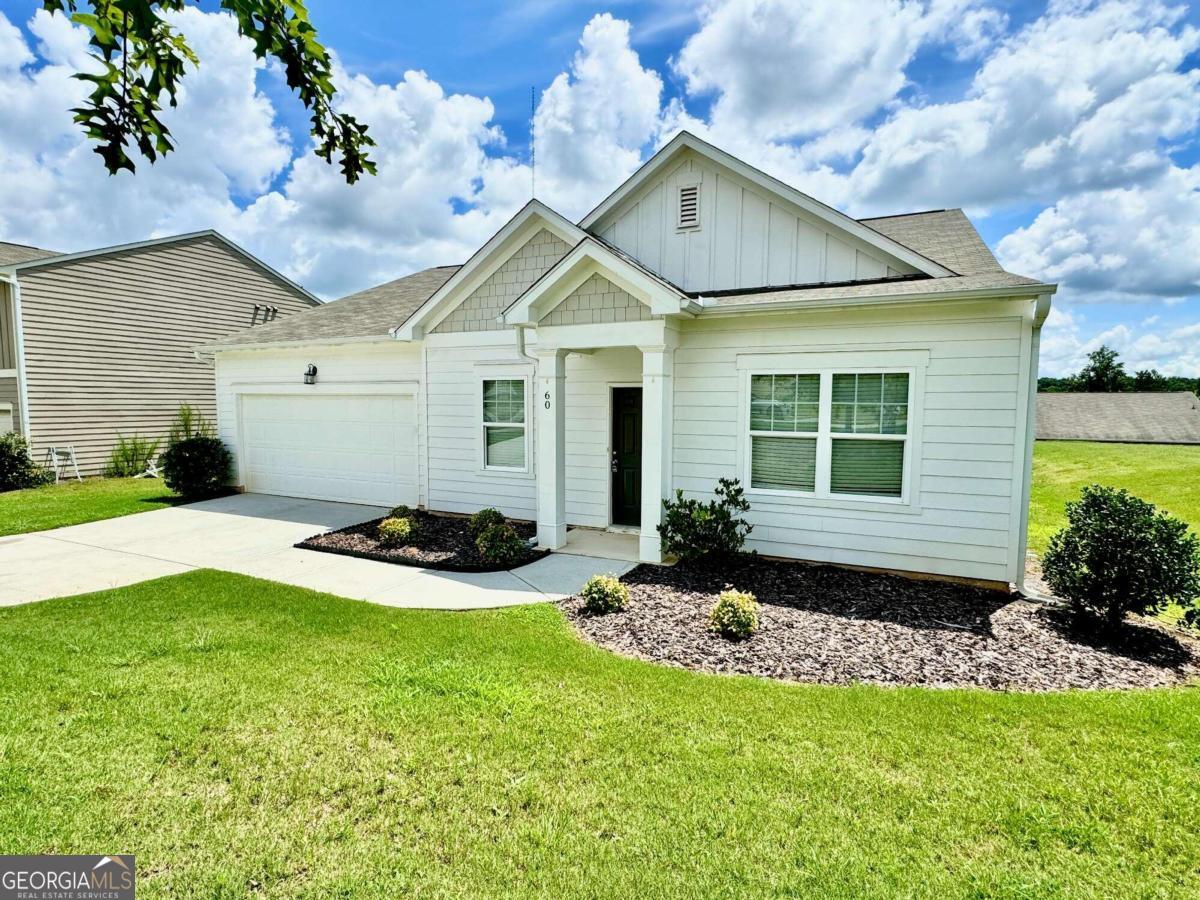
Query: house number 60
(547, 399)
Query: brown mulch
(828, 625)
(444, 543)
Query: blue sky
(1067, 130)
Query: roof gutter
(10, 278)
(209, 349)
(710, 307)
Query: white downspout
(19, 349)
(1040, 312)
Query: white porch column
(658, 363)
(550, 412)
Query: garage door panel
(353, 448)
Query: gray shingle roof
(1163, 418)
(370, 313)
(944, 235)
(19, 253)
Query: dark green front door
(627, 456)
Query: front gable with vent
(708, 222)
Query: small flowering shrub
(500, 544)
(734, 615)
(604, 594)
(398, 531)
(485, 519)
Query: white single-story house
(870, 382)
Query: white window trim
(482, 426)
(822, 496)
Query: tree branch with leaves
(143, 58)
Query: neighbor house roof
(1150, 418)
(366, 314)
(19, 253)
(57, 259)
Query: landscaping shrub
(485, 519)
(197, 467)
(17, 468)
(734, 615)
(402, 512)
(604, 594)
(189, 423)
(398, 531)
(1119, 554)
(131, 456)
(693, 530)
(500, 545)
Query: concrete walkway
(254, 535)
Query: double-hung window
(830, 433)
(504, 423)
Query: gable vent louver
(689, 206)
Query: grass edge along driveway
(239, 735)
(77, 502)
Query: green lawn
(1164, 475)
(76, 502)
(241, 736)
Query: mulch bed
(827, 625)
(443, 543)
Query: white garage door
(353, 448)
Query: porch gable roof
(589, 257)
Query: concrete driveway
(254, 534)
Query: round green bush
(398, 531)
(500, 545)
(1119, 554)
(485, 519)
(17, 468)
(604, 594)
(197, 467)
(734, 615)
(402, 512)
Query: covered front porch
(599, 318)
(636, 419)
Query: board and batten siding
(258, 371)
(109, 338)
(746, 238)
(961, 521)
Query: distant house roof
(1150, 418)
(19, 253)
(370, 313)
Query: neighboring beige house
(98, 344)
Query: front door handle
(614, 461)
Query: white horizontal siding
(960, 520)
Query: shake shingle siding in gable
(109, 339)
(480, 311)
(596, 301)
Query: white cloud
(1139, 243)
(593, 123)
(1067, 339)
(781, 69)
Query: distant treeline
(1105, 374)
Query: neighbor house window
(504, 423)
(829, 433)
